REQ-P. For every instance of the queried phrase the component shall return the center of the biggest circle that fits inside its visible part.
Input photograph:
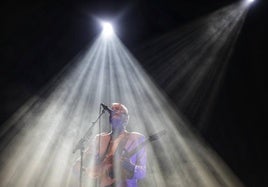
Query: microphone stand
(80, 146)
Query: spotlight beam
(107, 73)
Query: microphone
(106, 108)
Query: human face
(117, 120)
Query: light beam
(196, 57)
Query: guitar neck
(139, 147)
(148, 140)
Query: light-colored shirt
(106, 146)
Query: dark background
(38, 39)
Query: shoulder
(136, 135)
(103, 135)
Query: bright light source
(107, 29)
(250, 1)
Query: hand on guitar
(128, 166)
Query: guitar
(106, 168)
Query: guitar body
(106, 172)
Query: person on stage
(118, 160)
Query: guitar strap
(120, 148)
(106, 151)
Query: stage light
(250, 1)
(107, 29)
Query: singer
(117, 161)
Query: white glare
(107, 29)
(247, 2)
